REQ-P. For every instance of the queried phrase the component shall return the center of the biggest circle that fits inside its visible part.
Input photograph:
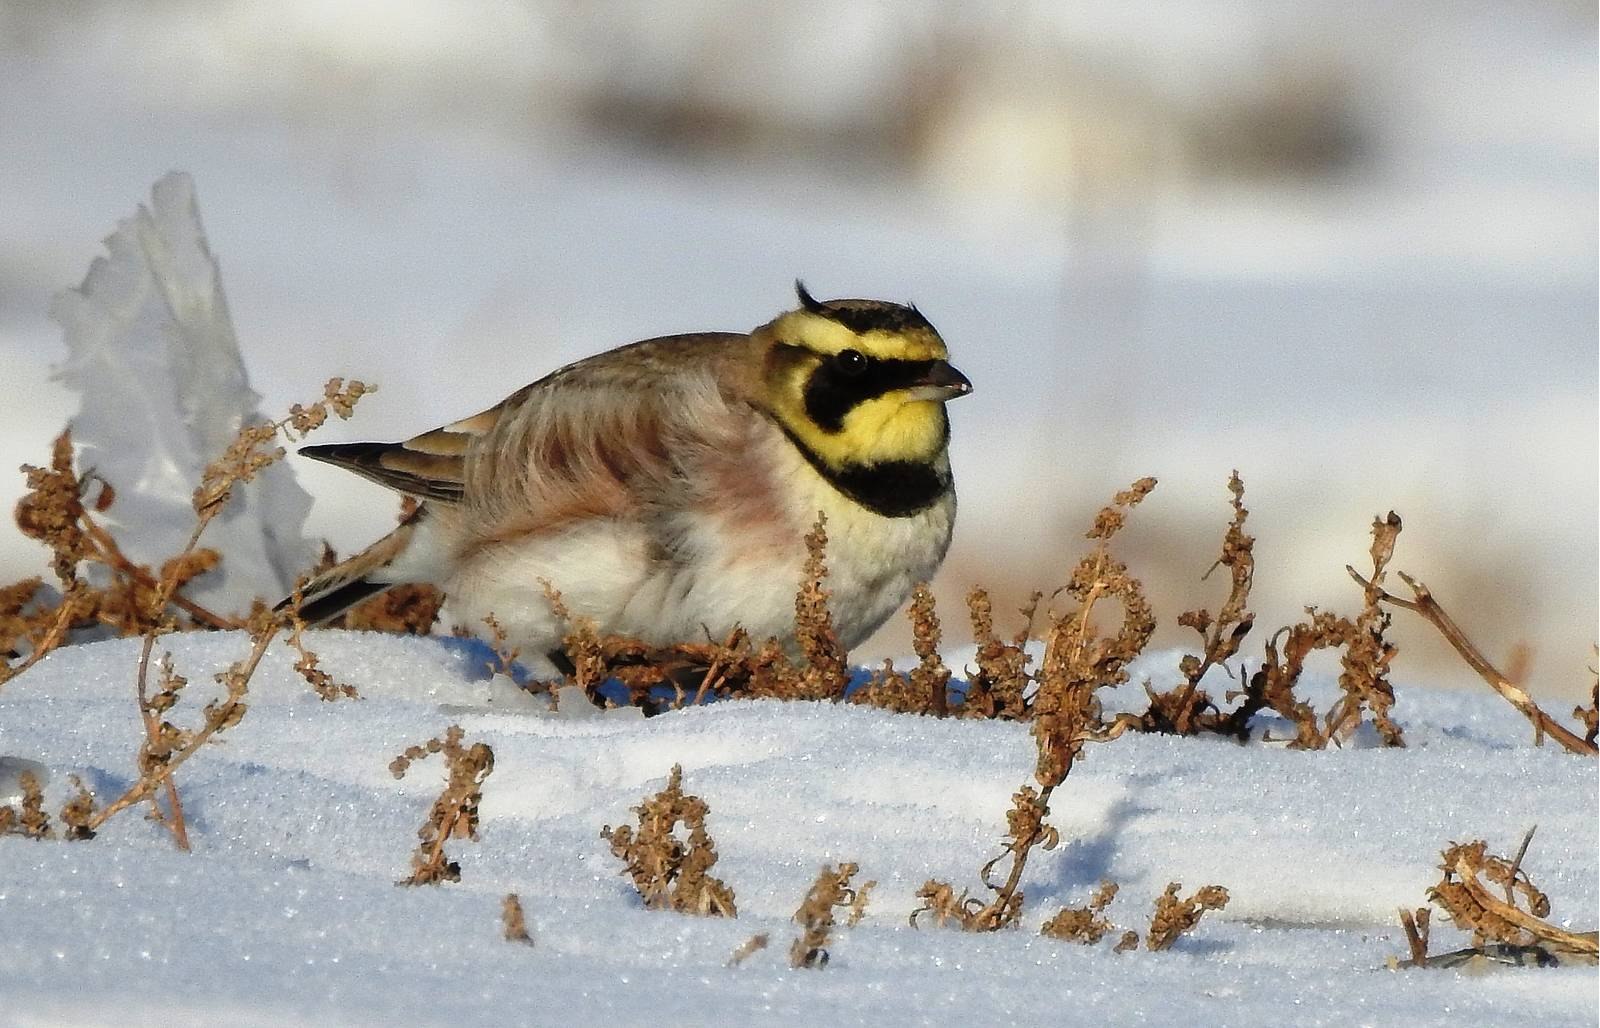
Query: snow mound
(287, 912)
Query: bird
(664, 488)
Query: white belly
(610, 571)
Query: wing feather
(597, 437)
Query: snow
(162, 392)
(287, 912)
(398, 193)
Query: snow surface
(286, 912)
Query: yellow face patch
(897, 425)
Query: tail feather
(326, 606)
(357, 578)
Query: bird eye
(851, 362)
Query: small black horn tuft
(807, 301)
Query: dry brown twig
(78, 811)
(1066, 714)
(1174, 916)
(31, 820)
(1416, 926)
(1086, 924)
(1367, 654)
(166, 746)
(54, 511)
(513, 921)
(997, 687)
(926, 689)
(455, 813)
(1424, 604)
(253, 450)
(831, 890)
(672, 873)
(1182, 710)
(1501, 928)
(307, 663)
(827, 666)
(752, 945)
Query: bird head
(859, 381)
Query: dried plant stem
(53, 637)
(1516, 864)
(172, 818)
(111, 554)
(1429, 608)
(1416, 937)
(1003, 904)
(146, 785)
(1587, 943)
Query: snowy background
(1348, 251)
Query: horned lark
(665, 487)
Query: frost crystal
(152, 354)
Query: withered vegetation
(751, 946)
(307, 664)
(1188, 708)
(670, 872)
(31, 820)
(1066, 713)
(1424, 604)
(997, 685)
(831, 891)
(669, 856)
(99, 586)
(454, 813)
(137, 601)
(1511, 928)
(513, 922)
(1086, 924)
(926, 688)
(1174, 916)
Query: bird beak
(942, 382)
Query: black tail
(337, 589)
(329, 605)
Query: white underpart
(604, 571)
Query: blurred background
(1349, 250)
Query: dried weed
(1424, 604)
(31, 820)
(455, 813)
(751, 946)
(671, 873)
(826, 669)
(830, 891)
(998, 686)
(1514, 927)
(1066, 713)
(513, 921)
(1086, 924)
(1174, 916)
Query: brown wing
(612, 436)
(584, 440)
